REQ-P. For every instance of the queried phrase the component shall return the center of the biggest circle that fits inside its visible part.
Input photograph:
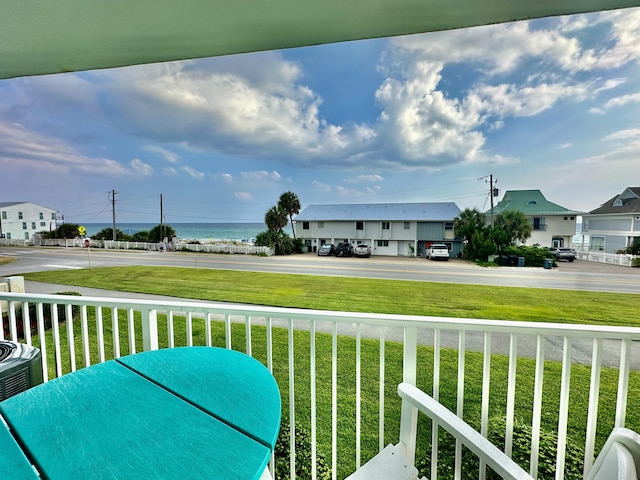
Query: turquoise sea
(190, 231)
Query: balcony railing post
(409, 416)
(149, 330)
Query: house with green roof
(553, 225)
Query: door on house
(557, 242)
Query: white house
(615, 224)
(552, 224)
(20, 220)
(389, 228)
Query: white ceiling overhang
(52, 36)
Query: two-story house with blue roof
(552, 225)
(388, 228)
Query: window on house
(305, 225)
(8, 236)
(359, 225)
(573, 218)
(597, 244)
(320, 224)
(26, 235)
(4, 215)
(41, 216)
(53, 216)
(407, 225)
(448, 225)
(19, 215)
(532, 202)
(43, 224)
(24, 225)
(538, 223)
(566, 218)
(386, 226)
(33, 225)
(383, 243)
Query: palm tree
(289, 203)
(275, 219)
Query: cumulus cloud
(141, 168)
(166, 154)
(366, 178)
(261, 176)
(22, 148)
(192, 172)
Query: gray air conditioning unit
(20, 368)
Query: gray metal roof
(624, 203)
(441, 211)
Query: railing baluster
(247, 336)
(84, 328)
(189, 329)
(115, 327)
(26, 323)
(132, 331)
(55, 325)
(564, 407)
(457, 473)
(227, 331)
(537, 406)
(511, 393)
(486, 384)
(43, 340)
(358, 395)
(149, 329)
(292, 409)
(592, 416)
(13, 324)
(436, 396)
(312, 381)
(70, 337)
(170, 333)
(207, 326)
(623, 383)
(100, 334)
(381, 380)
(334, 400)
(409, 427)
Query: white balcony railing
(338, 371)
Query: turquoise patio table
(180, 413)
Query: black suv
(344, 250)
(563, 254)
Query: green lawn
(360, 294)
(402, 297)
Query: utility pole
(113, 209)
(161, 222)
(493, 192)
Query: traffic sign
(82, 231)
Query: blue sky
(550, 104)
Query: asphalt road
(578, 275)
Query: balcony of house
(554, 390)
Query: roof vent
(617, 202)
(532, 202)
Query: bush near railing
(303, 455)
(33, 317)
(521, 453)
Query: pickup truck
(362, 250)
(343, 250)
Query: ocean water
(204, 232)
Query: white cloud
(140, 167)
(22, 148)
(261, 176)
(167, 155)
(622, 100)
(243, 195)
(323, 187)
(366, 178)
(192, 172)
(169, 171)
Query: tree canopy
(289, 204)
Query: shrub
(521, 452)
(534, 255)
(47, 316)
(303, 455)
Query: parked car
(362, 250)
(438, 251)
(326, 249)
(344, 250)
(563, 254)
